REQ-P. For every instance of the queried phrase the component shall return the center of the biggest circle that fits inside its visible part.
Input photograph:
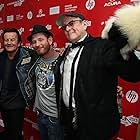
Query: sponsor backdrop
(23, 14)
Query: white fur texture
(128, 19)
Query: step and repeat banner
(23, 14)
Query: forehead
(38, 35)
(10, 35)
(68, 19)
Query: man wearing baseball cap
(91, 66)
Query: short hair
(12, 30)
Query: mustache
(8, 45)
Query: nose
(36, 45)
(9, 42)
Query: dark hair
(12, 30)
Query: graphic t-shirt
(45, 96)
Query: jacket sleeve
(129, 70)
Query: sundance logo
(132, 96)
(16, 3)
(19, 17)
(90, 4)
(29, 15)
(129, 120)
(40, 13)
(112, 3)
(70, 8)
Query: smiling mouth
(9, 46)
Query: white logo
(21, 30)
(132, 96)
(112, 3)
(10, 18)
(1, 7)
(70, 8)
(16, 3)
(30, 15)
(54, 10)
(129, 120)
(19, 17)
(49, 26)
(90, 4)
(40, 13)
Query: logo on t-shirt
(45, 76)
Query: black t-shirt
(11, 96)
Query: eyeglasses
(69, 24)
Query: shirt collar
(82, 38)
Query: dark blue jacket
(25, 72)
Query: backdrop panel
(23, 14)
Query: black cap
(60, 19)
(39, 29)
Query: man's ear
(50, 40)
(85, 22)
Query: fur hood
(127, 21)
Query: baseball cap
(60, 19)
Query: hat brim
(29, 38)
(60, 19)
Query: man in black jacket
(17, 83)
(86, 81)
